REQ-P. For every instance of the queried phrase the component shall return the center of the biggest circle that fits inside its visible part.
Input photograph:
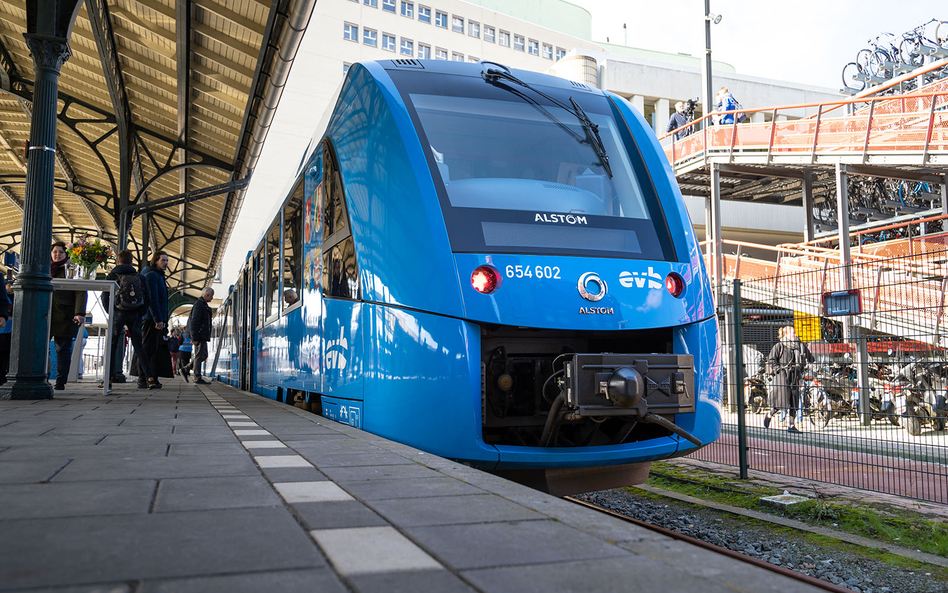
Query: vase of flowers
(88, 254)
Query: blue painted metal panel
(543, 291)
(423, 382)
(346, 411)
(402, 246)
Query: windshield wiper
(493, 76)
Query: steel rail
(718, 549)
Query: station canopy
(160, 98)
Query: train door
(256, 313)
(342, 336)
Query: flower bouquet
(88, 254)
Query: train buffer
(206, 488)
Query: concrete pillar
(781, 118)
(638, 101)
(662, 115)
(33, 288)
(758, 117)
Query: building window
(424, 52)
(350, 32)
(370, 37)
(489, 34)
(273, 270)
(408, 9)
(388, 5)
(346, 66)
(504, 39)
(518, 42)
(560, 53)
(474, 29)
(457, 57)
(473, 59)
(388, 42)
(424, 14)
(534, 46)
(457, 24)
(441, 19)
(372, 3)
(408, 47)
(547, 51)
(441, 54)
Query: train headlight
(485, 279)
(675, 284)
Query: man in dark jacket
(155, 321)
(131, 302)
(67, 313)
(199, 329)
(678, 119)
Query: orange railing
(915, 123)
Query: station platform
(207, 488)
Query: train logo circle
(585, 280)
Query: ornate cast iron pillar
(33, 288)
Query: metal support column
(716, 229)
(739, 380)
(49, 23)
(707, 107)
(808, 230)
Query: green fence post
(739, 377)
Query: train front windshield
(520, 174)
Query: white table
(94, 286)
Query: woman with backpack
(131, 302)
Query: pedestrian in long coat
(67, 313)
(785, 364)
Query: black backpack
(131, 292)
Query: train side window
(272, 268)
(293, 249)
(261, 287)
(340, 270)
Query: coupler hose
(551, 419)
(656, 419)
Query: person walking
(174, 341)
(199, 328)
(131, 302)
(785, 363)
(67, 313)
(155, 320)
(6, 328)
(727, 105)
(184, 356)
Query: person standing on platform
(155, 322)
(131, 302)
(727, 104)
(199, 328)
(6, 327)
(677, 120)
(184, 356)
(67, 313)
(786, 362)
(174, 341)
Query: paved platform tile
(293, 474)
(452, 510)
(74, 499)
(505, 544)
(156, 467)
(365, 550)
(281, 461)
(31, 471)
(193, 494)
(413, 581)
(251, 433)
(378, 472)
(292, 581)
(337, 514)
(409, 488)
(208, 449)
(263, 445)
(241, 424)
(294, 492)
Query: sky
(803, 41)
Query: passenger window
(261, 287)
(340, 269)
(293, 249)
(273, 270)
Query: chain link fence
(839, 374)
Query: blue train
(492, 265)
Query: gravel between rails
(859, 573)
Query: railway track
(718, 549)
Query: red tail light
(674, 284)
(485, 279)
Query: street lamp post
(709, 18)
